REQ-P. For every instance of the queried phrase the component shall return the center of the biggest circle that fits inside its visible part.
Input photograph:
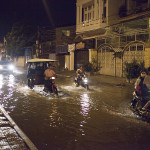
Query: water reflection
(55, 118)
(1, 80)
(11, 80)
(85, 107)
(85, 104)
(7, 90)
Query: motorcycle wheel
(87, 87)
(30, 83)
(55, 91)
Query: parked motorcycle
(82, 80)
(51, 87)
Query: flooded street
(98, 119)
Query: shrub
(88, 67)
(132, 70)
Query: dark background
(46, 13)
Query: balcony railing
(90, 25)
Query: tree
(22, 35)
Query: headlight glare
(53, 78)
(11, 67)
(85, 80)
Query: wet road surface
(98, 119)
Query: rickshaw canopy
(40, 60)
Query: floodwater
(98, 119)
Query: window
(133, 48)
(89, 16)
(104, 12)
(82, 14)
(93, 14)
(89, 7)
(131, 38)
(140, 47)
(85, 17)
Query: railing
(90, 25)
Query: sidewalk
(11, 136)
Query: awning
(93, 33)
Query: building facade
(53, 44)
(120, 30)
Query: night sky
(46, 13)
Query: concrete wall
(92, 55)
(71, 61)
(67, 61)
(147, 57)
(113, 11)
(20, 61)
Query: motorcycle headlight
(53, 78)
(11, 67)
(85, 80)
(1, 67)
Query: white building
(116, 41)
(96, 14)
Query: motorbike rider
(80, 73)
(48, 74)
(140, 87)
(147, 95)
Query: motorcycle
(50, 86)
(82, 80)
(137, 104)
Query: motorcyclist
(80, 73)
(48, 74)
(140, 87)
(147, 95)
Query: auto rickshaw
(35, 72)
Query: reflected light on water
(85, 104)
(18, 72)
(11, 80)
(85, 107)
(1, 80)
(54, 116)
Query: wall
(147, 57)
(67, 61)
(19, 61)
(71, 61)
(113, 12)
